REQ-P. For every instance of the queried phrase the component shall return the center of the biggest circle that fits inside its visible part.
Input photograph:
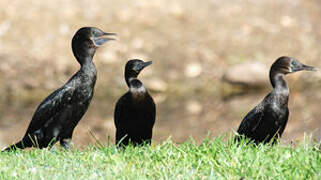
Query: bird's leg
(65, 143)
(52, 149)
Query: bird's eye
(95, 33)
(294, 63)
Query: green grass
(213, 159)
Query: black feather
(267, 121)
(135, 111)
(59, 113)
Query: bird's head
(87, 40)
(134, 66)
(287, 65)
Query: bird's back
(265, 121)
(64, 107)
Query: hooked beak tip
(310, 68)
(315, 69)
(148, 63)
(110, 34)
(145, 64)
(110, 38)
(99, 41)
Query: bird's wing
(152, 112)
(252, 120)
(52, 105)
(118, 111)
(286, 120)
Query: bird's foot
(65, 143)
(52, 149)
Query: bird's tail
(14, 147)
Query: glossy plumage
(57, 115)
(268, 119)
(135, 111)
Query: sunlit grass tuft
(218, 158)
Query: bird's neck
(130, 76)
(88, 67)
(136, 87)
(84, 56)
(86, 62)
(280, 87)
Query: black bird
(268, 119)
(135, 111)
(57, 116)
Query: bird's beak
(98, 41)
(308, 68)
(142, 65)
(145, 64)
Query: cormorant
(58, 114)
(135, 111)
(268, 119)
